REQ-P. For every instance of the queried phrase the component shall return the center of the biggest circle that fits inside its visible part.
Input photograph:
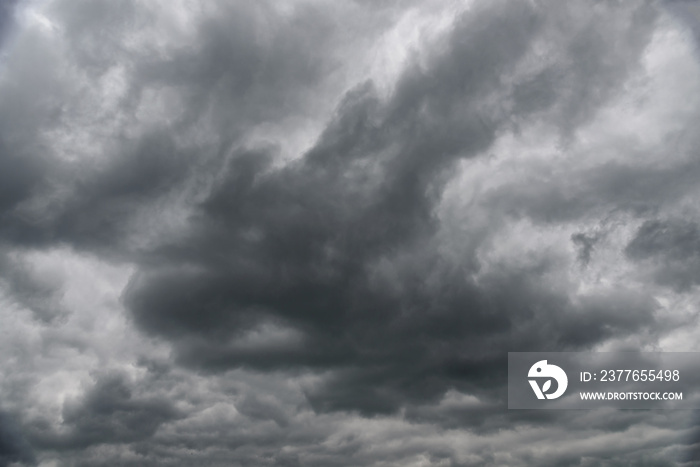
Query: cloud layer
(308, 233)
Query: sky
(308, 232)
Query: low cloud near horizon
(307, 233)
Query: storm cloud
(308, 233)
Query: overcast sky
(307, 232)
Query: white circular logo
(543, 371)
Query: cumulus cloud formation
(309, 232)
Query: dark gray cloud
(107, 413)
(7, 9)
(327, 225)
(673, 246)
(14, 448)
(297, 245)
(586, 245)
